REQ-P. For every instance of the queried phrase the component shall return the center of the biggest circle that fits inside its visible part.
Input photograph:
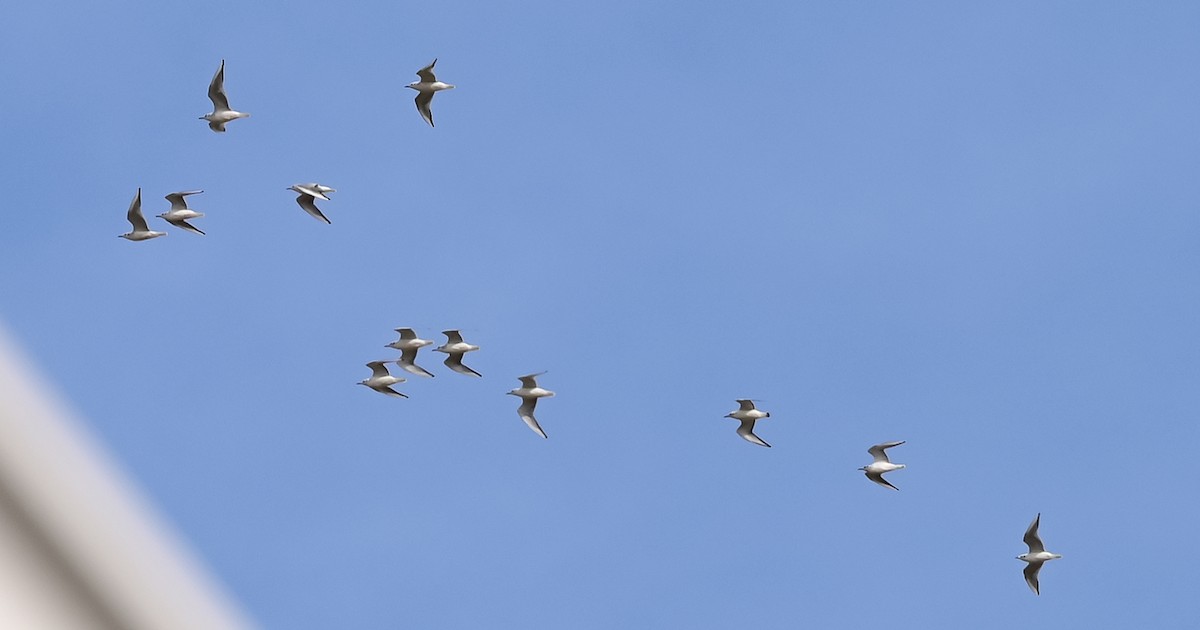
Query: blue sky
(972, 228)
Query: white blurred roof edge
(82, 549)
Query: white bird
(408, 344)
(381, 380)
(221, 113)
(180, 213)
(874, 471)
(426, 88)
(455, 348)
(309, 193)
(141, 231)
(529, 393)
(747, 414)
(1037, 555)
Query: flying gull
(221, 113)
(1037, 555)
(141, 231)
(747, 414)
(309, 193)
(408, 344)
(381, 381)
(874, 471)
(455, 348)
(180, 213)
(426, 87)
(529, 393)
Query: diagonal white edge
(80, 546)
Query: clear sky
(973, 228)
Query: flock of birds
(455, 347)
(381, 380)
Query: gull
(408, 344)
(308, 194)
(874, 471)
(180, 213)
(426, 88)
(221, 113)
(747, 414)
(1037, 555)
(529, 393)
(141, 231)
(455, 347)
(380, 379)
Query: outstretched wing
(1031, 576)
(177, 198)
(306, 202)
(1031, 536)
(878, 453)
(183, 224)
(134, 215)
(746, 430)
(526, 413)
(423, 101)
(426, 73)
(452, 336)
(216, 93)
(529, 381)
(378, 369)
(878, 478)
(454, 362)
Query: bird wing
(878, 478)
(746, 430)
(529, 381)
(407, 333)
(134, 215)
(384, 389)
(426, 73)
(378, 369)
(177, 199)
(526, 413)
(878, 453)
(216, 93)
(745, 404)
(452, 336)
(183, 224)
(1032, 539)
(406, 361)
(1031, 576)
(454, 362)
(423, 100)
(306, 202)
(218, 127)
